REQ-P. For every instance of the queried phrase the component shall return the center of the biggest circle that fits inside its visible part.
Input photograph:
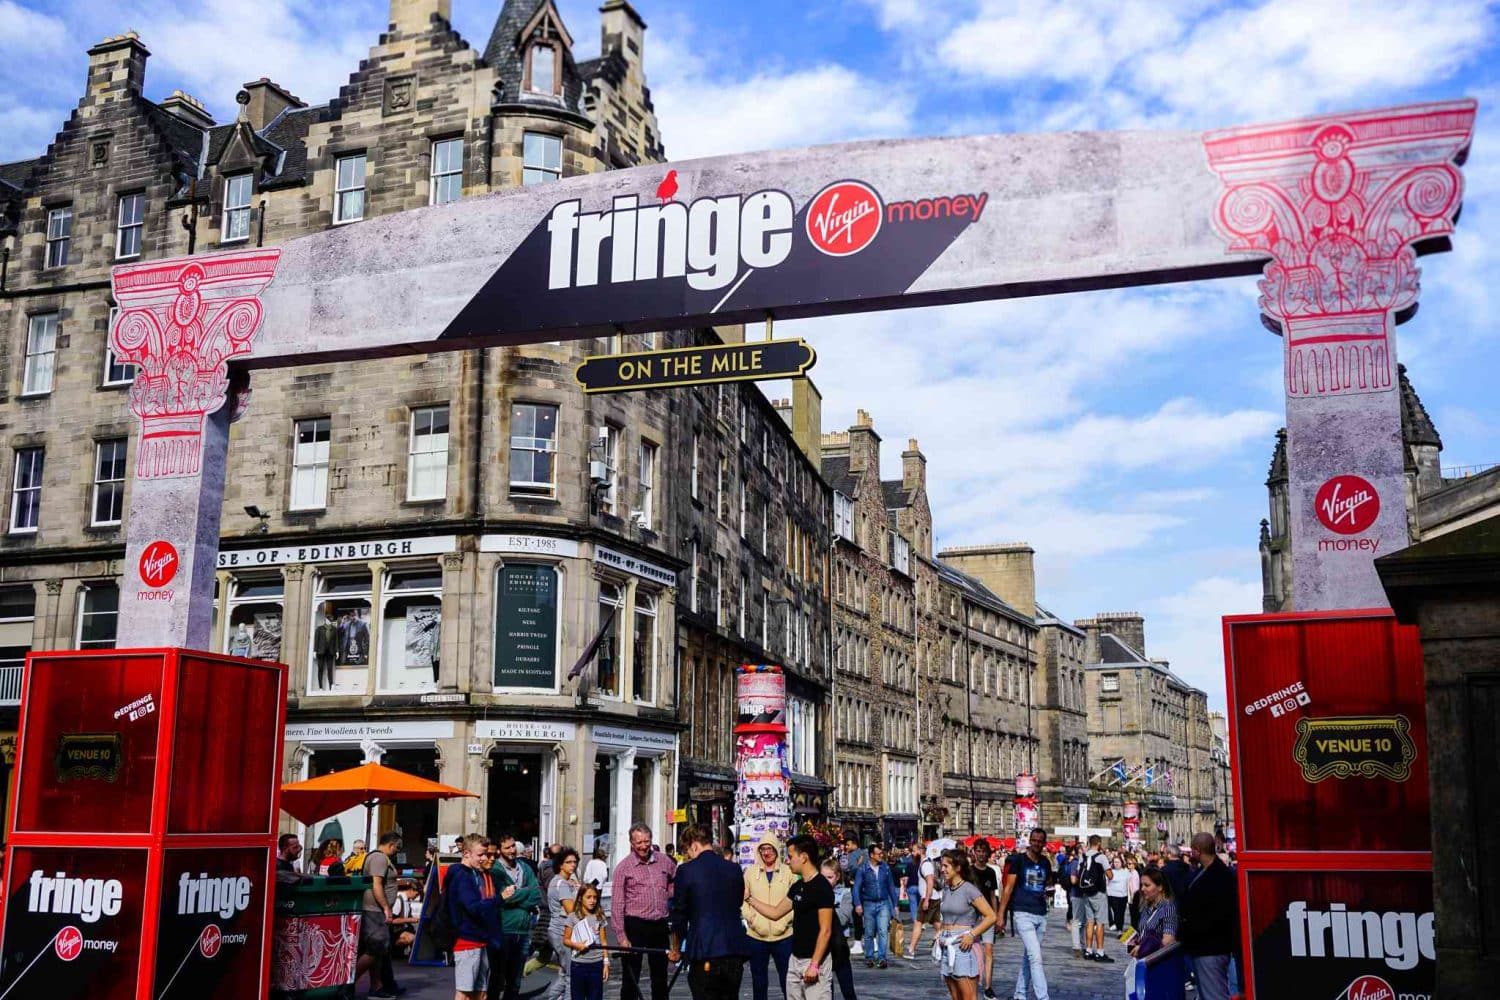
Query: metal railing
(1465, 471)
(10, 685)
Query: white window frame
(438, 178)
(129, 226)
(722, 498)
(619, 630)
(59, 236)
(533, 445)
(537, 149)
(84, 613)
(344, 188)
(422, 445)
(843, 516)
(115, 485)
(36, 465)
(532, 55)
(610, 455)
(310, 460)
(40, 370)
(648, 456)
(646, 606)
(1109, 683)
(693, 580)
(389, 592)
(238, 194)
(693, 469)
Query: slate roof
(14, 174)
(289, 131)
(1416, 426)
(504, 53)
(836, 474)
(1112, 649)
(977, 591)
(895, 494)
(1044, 616)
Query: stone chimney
(864, 446)
(1127, 626)
(189, 109)
(621, 28)
(117, 67)
(807, 420)
(412, 17)
(267, 100)
(1008, 570)
(913, 467)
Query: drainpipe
(476, 417)
(260, 229)
(969, 721)
(4, 265)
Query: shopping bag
(898, 937)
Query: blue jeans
(588, 980)
(877, 931)
(1029, 928)
(1212, 972)
(762, 951)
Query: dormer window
(541, 68)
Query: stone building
(1438, 500)
(430, 542)
(1062, 720)
(876, 527)
(1140, 712)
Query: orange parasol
(319, 798)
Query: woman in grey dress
(561, 893)
(966, 915)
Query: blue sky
(1124, 434)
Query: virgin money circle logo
(844, 218)
(1370, 988)
(68, 944)
(1347, 505)
(210, 940)
(158, 564)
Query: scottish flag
(1119, 769)
(1150, 775)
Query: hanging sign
(752, 362)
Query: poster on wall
(421, 639)
(526, 627)
(761, 697)
(763, 792)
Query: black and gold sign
(752, 362)
(89, 755)
(1365, 746)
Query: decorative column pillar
(180, 323)
(1341, 204)
(622, 807)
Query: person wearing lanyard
(964, 916)
(1165, 978)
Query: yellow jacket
(771, 891)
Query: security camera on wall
(599, 473)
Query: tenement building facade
(1143, 714)
(432, 543)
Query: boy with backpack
(1092, 877)
(466, 919)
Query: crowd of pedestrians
(806, 913)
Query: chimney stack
(864, 445)
(189, 109)
(267, 100)
(1127, 626)
(412, 17)
(913, 467)
(1008, 570)
(117, 67)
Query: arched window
(541, 68)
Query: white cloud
(29, 34)
(705, 114)
(1186, 628)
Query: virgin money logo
(1371, 988)
(1347, 505)
(68, 944)
(844, 218)
(210, 940)
(158, 564)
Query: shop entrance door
(515, 797)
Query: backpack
(1091, 878)
(440, 928)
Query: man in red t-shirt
(476, 918)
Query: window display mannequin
(240, 644)
(326, 647)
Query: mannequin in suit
(325, 647)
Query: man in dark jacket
(1177, 871)
(706, 896)
(875, 900)
(474, 908)
(1210, 916)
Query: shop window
(411, 617)
(255, 616)
(611, 609)
(447, 178)
(533, 450)
(17, 619)
(129, 223)
(109, 482)
(526, 627)
(643, 663)
(98, 615)
(26, 491)
(541, 158)
(340, 634)
(349, 189)
(59, 235)
(427, 461)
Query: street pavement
(1068, 978)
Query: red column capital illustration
(180, 322)
(1337, 203)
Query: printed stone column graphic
(763, 796)
(1338, 203)
(180, 322)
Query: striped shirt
(642, 889)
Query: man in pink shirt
(641, 902)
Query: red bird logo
(668, 189)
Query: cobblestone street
(1068, 978)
